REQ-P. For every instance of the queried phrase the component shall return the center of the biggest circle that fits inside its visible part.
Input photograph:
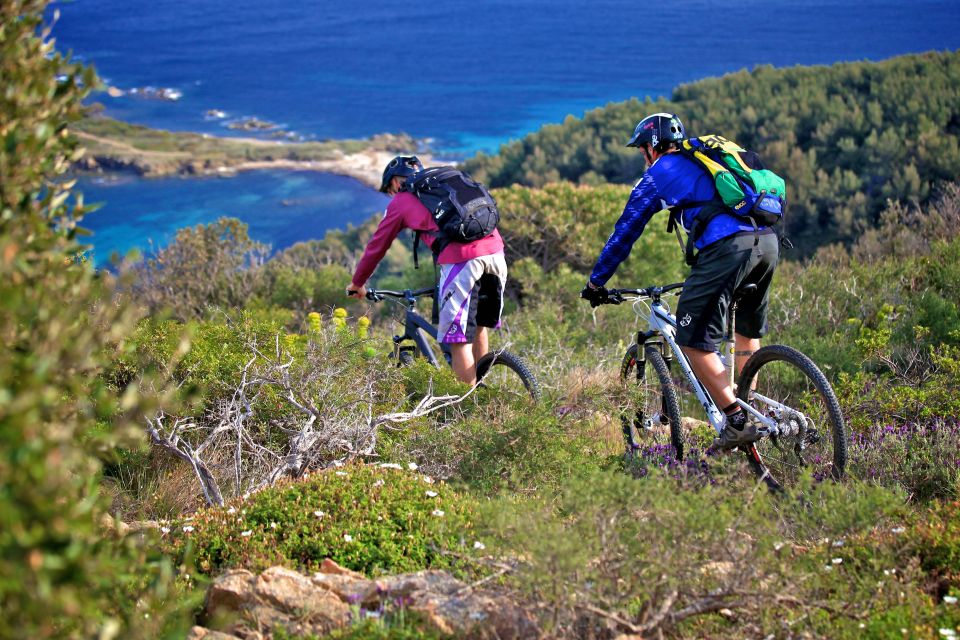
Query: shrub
(272, 404)
(215, 264)
(610, 554)
(61, 575)
(368, 518)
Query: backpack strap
(435, 248)
(673, 224)
(416, 249)
(710, 209)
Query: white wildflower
(273, 525)
(378, 483)
(432, 494)
(777, 546)
(438, 513)
(948, 633)
(164, 529)
(838, 543)
(188, 529)
(950, 599)
(428, 479)
(347, 537)
(897, 530)
(412, 466)
(837, 560)
(341, 473)
(232, 510)
(863, 625)
(246, 534)
(337, 463)
(390, 465)
(319, 514)
(479, 545)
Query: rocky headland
(113, 146)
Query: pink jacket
(406, 212)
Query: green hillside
(847, 137)
(226, 406)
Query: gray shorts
(721, 269)
(471, 295)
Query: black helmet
(657, 130)
(403, 166)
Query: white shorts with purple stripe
(471, 295)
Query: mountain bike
(503, 373)
(796, 409)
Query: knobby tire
(788, 376)
(650, 394)
(502, 361)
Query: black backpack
(462, 208)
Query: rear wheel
(653, 410)
(507, 377)
(787, 387)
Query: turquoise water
(281, 207)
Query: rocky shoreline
(365, 166)
(114, 147)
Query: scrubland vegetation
(220, 394)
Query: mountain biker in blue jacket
(732, 252)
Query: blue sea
(467, 75)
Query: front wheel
(787, 387)
(507, 376)
(652, 407)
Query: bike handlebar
(615, 296)
(377, 295)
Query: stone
(202, 633)
(328, 566)
(113, 525)
(293, 592)
(319, 603)
(140, 526)
(475, 616)
(231, 591)
(348, 589)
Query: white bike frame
(664, 324)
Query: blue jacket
(673, 179)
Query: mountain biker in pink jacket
(472, 275)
